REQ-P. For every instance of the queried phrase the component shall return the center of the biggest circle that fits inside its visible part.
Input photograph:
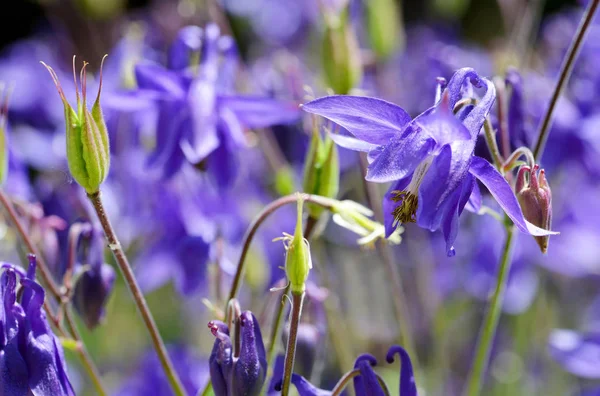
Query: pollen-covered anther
(406, 211)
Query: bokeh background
(183, 232)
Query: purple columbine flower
(241, 371)
(198, 119)
(367, 382)
(31, 357)
(95, 284)
(429, 160)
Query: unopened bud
(384, 27)
(298, 262)
(88, 152)
(321, 171)
(535, 197)
(340, 54)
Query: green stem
(290, 353)
(275, 330)
(490, 322)
(490, 139)
(86, 359)
(399, 297)
(137, 294)
(565, 73)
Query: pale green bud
(321, 171)
(298, 262)
(340, 55)
(88, 152)
(384, 26)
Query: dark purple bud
(535, 198)
(306, 348)
(407, 378)
(251, 367)
(221, 360)
(367, 383)
(95, 284)
(186, 45)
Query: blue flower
(430, 159)
(198, 120)
(241, 371)
(31, 357)
(366, 381)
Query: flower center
(408, 200)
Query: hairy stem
(136, 292)
(565, 73)
(490, 322)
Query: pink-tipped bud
(535, 197)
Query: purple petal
(401, 156)
(456, 83)
(407, 378)
(260, 112)
(475, 200)
(202, 139)
(366, 383)
(575, 352)
(352, 143)
(192, 254)
(250, 369)
(372, 120)
(443, 126)
(476, 117)
(187, 42)
(154, 77)
(504, 195)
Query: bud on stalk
(88, 152)
(535, 198)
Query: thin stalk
(490, 140)
(565, 73)
(502, 116)
(41, 264)
(399, 297)
(136, 292)
(86, 359)
(290, 353)
(275, 330)
(260, 218)
(490, 322)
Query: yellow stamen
(407, 210)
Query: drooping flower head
(31, 356)
(95, 284)
(430, 159)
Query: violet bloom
(430, 159)
(150, 378)
(198, 120)
(95, 284)
(238, 372)
(367, 382)
(31, 356)
(578, 353)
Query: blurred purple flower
(578, 353)
(198, 121)
(150, 379)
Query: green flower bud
(88, 152)
(321, 171)
(3, 138)
(298, 262)
(340, 55)
(384, 26)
